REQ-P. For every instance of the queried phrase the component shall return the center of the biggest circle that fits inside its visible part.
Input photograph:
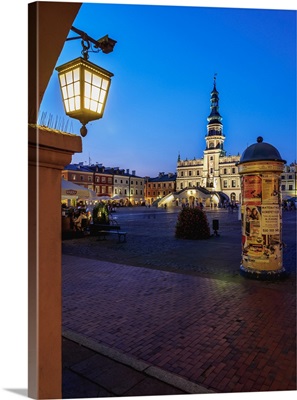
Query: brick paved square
(206, 324)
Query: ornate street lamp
(84, 85)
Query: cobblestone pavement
(90, 370)
(188, 312)
(151, 244)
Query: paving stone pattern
(151, 243)
(182, 306)
(99, 376)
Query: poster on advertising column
(253, 242)
(270, 220)
(252, 188)
(270, 189)
(261, 223)
(261, 238)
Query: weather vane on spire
(214, 78)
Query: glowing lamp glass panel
(70, 88)
(96, 89)
(84, 88)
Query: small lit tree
(100, 214)
(192, 223)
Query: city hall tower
(214, 144)
(215, 173)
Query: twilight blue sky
(163, 64)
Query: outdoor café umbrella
(70, 190)
(90, 195)
(103, 198)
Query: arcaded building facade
(215, 171)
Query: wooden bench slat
(103, 230)
(119, 233)
(95, 228)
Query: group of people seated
(79, 217)
(79, 224)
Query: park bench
(102, 231)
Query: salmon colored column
(49, 152)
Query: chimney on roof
(133, 173)
(127, 171)
(161, 174)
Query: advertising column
(261, 219)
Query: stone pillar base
(263, 275)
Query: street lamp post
(84, 85)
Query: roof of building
(78, 167)
(163, 177)
(99, 168)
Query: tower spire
(214, 126)
(214, 80)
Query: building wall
(112, 182)
(121, 186)
(213, 172)
(159, 187)
(288, 181)
(80, 176)
(190, 174)
(137, 190)
(103, 184)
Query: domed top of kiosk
(260, 151)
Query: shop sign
(71, 192)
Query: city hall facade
(213, 179)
